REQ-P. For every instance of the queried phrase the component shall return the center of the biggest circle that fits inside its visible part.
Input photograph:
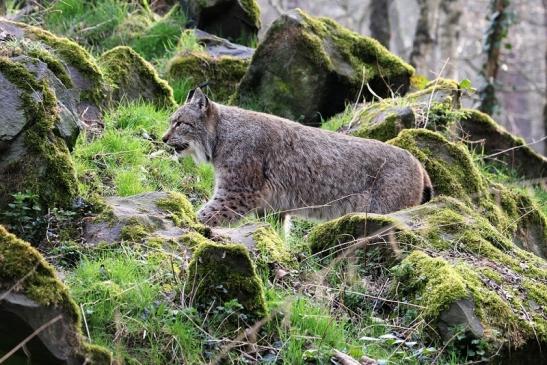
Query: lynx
(265, 163)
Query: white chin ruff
(198, 153)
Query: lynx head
(192, 128)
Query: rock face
(72, 64)
(460, 258)
(134, 78)
(33, 299)
(221, 267)
(462, 272)
(307, 68)
(34, 155)
(221, 64)
(265, 246)
(237, 20)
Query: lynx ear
(198, 98)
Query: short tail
(427, 193)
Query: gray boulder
(237, 20)
(307, 69)
(34, 156)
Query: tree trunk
(379, 21)
(423, 41)
(451, 11)
(500, 20)
(545, 95)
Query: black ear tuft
(190, 95)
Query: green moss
(432, 282)
(328, 66)
(271, 249)
(75, 56)
(48, 171)
(436, 108)
(365, 54)
(182, 212)
(222, 73)
(24, 270)
(97, 355)
(511, 152)
(53, 64)
(193, 240)
(135, 78)
(134, 231)
(20, 261)
(449, 165)
(333, 236)
(447, 250)
(252, 9)
(223, 272)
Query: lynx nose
(165, 138)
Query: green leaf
(465, 84)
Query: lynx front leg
(228, 206)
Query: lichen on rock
(307, 68)
(134, 78)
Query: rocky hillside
(102, 259)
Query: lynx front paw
(208, 217)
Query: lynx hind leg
(227, 207)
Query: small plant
(24, 217)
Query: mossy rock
(222, 73)
(442, 253)
(34, 158)
(237, 20)
(222, 273)
(307, 69)
(268, 250)
(436, 108)
(70, 62)
(31, 295)
(453, 173)
(481, 132)
(448, 164)
(143, 217)
(134, 78)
